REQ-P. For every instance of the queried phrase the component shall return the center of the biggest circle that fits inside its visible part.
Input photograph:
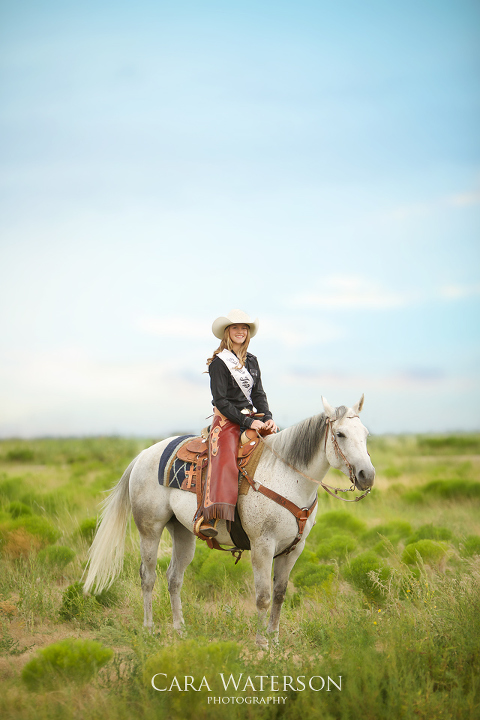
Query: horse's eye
(340, 435)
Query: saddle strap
(214, 544)
(301, 514)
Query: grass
(386, 596)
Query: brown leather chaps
(221, 485)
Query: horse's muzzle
(365, 478)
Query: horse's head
(346, 444)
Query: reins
(338, 453)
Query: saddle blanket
(171, 470)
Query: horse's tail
(105, 557)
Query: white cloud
(69, 391)
(346, 291)
(415, 379)
(464, 199)
(456, 292)
(297, 331)
(174, 327)
(414, 210)
(420, 209)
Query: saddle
(194, 452)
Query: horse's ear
(357, 409)
(329, 410)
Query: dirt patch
(8, 609)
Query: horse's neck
(316, 469)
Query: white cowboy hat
(237, 317)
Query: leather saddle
(195, 453)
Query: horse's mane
(300, 443)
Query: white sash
(241, 375)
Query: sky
(314, 164)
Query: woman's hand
(259, 425)
(270, 425)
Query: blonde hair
(227, 344)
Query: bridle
(338, 452)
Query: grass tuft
(70, 660)
(57, 556)
(430, 552)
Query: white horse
(335, 438)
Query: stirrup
(206, 528)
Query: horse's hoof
(262, 642)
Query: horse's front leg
(262, 558)
(282, 568)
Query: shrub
(392, 472)
(432, 553)
(76, 605)
(450, 444)
(11, 488)
(339, 519)
(87, 528)
(18, 543)
(413, 497)
(314, 576)
(69, 660)
(32, 498)
(20, 454)
(39, 527)
(453, 489)
(359, 572)
(56, 556)
(109, 597)
(430, 532)
(336, 546)
(307, 556)
(394, 531)
(26, 533)
(471, 546)
(17, 508)
(383, 548)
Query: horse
(293, 463)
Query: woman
(239, 402)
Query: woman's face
(238, 334)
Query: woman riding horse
(239, 403)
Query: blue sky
(315, 164)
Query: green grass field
(386, 596)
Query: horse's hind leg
(183, 550)
(148, 550)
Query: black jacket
(228, 397)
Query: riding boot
(209, 527)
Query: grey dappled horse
(336, 438)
